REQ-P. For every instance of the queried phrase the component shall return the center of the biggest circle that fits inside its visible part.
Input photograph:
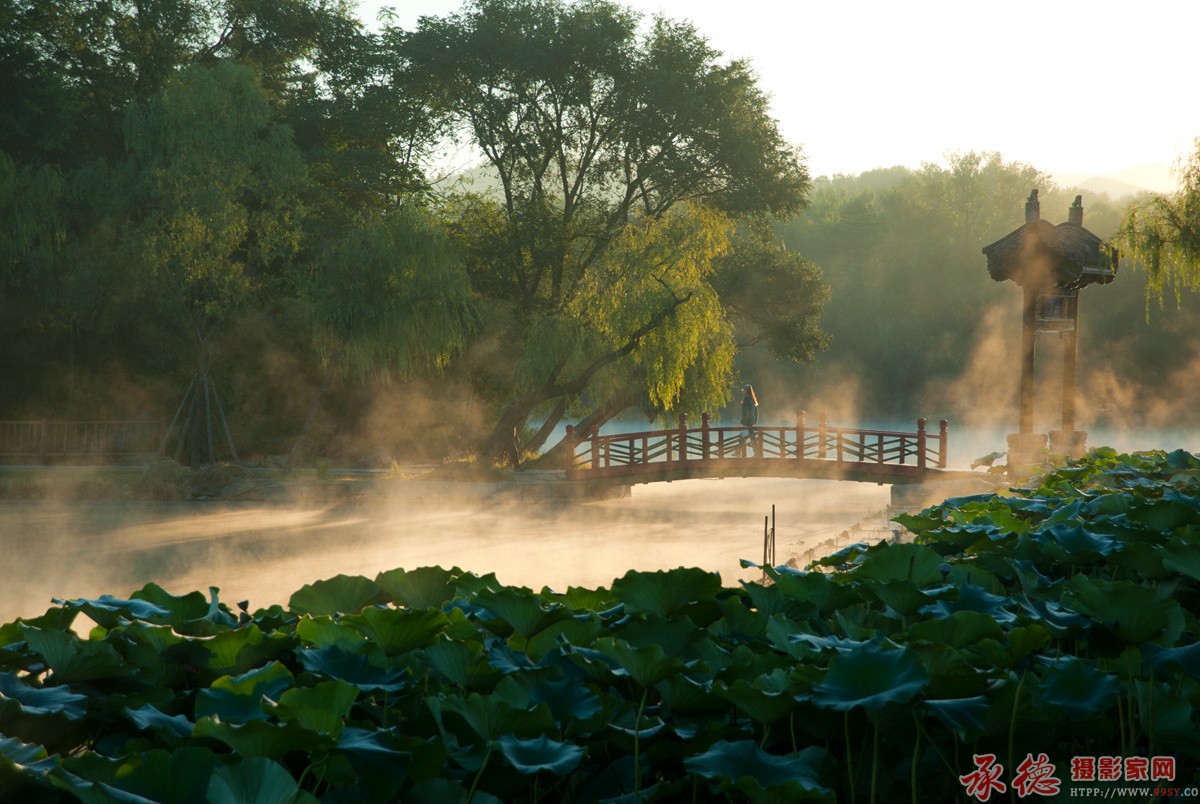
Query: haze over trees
(247, 193)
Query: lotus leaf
(665, 592)
(148, 718)
(240, 698)
(964, 716)
(581, 629)
(1133, 612)
(257, 738)
(490, 717)
(958, 629)
(734, 761)
(1173, 510)
(16, 756)
(109, 611)
(1078, 688)
(357, 669)
(914, 563)
(341, 594)
(646, 666)
(181, 609)
(829, 642)
(540, 754)
(1076, 544)
(1186, 658)
(168, 777)
(820, 591)
(525, 613)
(463, 664)
(325, 632)
(762, 705)
(1057, 619)
(71, 659)
(673, 635)
(40, 700)
(396, 631)
(321, 709)
(628, 723)
(871, 677)
(420, 588)
(237, 650)
(1181, 555)
(255, 781)
(903, 597)
(972, 597)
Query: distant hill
(1155, 177)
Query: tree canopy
(1162, 233)
(621, 160)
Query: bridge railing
(52, 441)
(592, 454)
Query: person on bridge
(749, 406)
(749, 415)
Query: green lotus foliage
(1060, 618)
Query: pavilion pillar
(1026, 447)
(1070, 355)
(1028, 340)
(1067, 441)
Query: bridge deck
(821, 451)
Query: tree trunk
(539, 438)
(610, 409)
(517, 412)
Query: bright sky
(1092, 87)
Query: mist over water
(263, 553)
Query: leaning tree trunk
(606, 412)
(517, 412)
(539, 438)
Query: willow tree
(588, 127)
(387, 297)
(1162, 233)
(219, 184)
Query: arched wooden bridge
(801, 451)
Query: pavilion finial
(1075, 213)
(1033, 210)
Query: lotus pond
(1059, 619)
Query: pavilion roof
(1065, 256)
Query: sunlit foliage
(1162, 234)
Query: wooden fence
(90, 442)
(595, 455)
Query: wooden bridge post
(943, 426)
(570, 450)
(595, 450)
(821, 426)
(799, 434)
(704, 436)
(682, 437)
(921, 443)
